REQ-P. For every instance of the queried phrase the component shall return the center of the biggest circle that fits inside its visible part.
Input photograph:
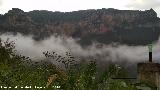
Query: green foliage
(85, 76)
(18, 70)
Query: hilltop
(132, 27)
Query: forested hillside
(102, 25)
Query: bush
(86, 77)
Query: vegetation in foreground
(17, 72)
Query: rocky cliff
(132, 27)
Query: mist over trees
(20, 72)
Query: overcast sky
(74, 5)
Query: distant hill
(132, 27)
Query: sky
(74, 5)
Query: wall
(149, 72)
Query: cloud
(143, 4)
(126, 56)
(61, 45)
(0, 2)
(62, 5)
(74, 5)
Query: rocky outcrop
(103, 25)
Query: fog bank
(28, 47)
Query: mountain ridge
(102, 25)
